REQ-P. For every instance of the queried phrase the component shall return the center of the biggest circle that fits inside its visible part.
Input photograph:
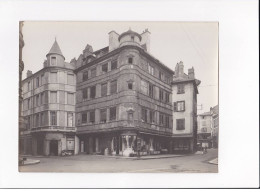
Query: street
(194, 163)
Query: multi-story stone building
(215, 125)
(124, 98)
(184, 98)
(205, 129)
(49, 107)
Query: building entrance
(54, 147)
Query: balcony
(53, 129)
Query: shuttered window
(181, 89)
(180, 124)
(179, 106)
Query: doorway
(54, 147)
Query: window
(161, 119)
(93, 92)
(132, 38)
(161, 95)
(112, 113)
(144, 115)
(150, 69)
(42, 98)
(70, 119)
(130, 60)
(53, 77)
(53, 118)
(37, 122)
(42, 119)
(29, 86)
(180, 89)
(37, 82)
(37, 100)
(28, 122)
(53, 96)
(93, 72)
(103, 115)
(167, 121)
(85, 93)
(42, 79)
(180, 124)
(161, 76)
(130, 85)
(130, 116)
(152, 116)
(113, 87)
(113, 64)
(53, 60)
(144, 87)
(105, 68)
(29, 103)
(167, 97)
(85, 76)
(179, 106)
(104, 90)
(92, 117)
(168, 80)
(204, 123)
(151, 90)
(70, 79)
(84, 117)
(70, 98)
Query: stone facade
(184, 98)
(128, 82)
(49, 107)
(205, 129)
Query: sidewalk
(214, 161)
(144, 157)
(30, 162)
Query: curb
(30, 162)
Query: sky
(194, 43)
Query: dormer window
(130, 60)
(53, 60)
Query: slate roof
(55, 49)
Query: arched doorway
(54, 147)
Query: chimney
(29, 73)
(191, 73)
(145, 42)
(181, 67)
(87, 51)
(113, 40)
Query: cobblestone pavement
(91, 163)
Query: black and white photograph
(111, 97)
(129, 94)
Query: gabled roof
(55, 49)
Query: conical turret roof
(55, 49)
